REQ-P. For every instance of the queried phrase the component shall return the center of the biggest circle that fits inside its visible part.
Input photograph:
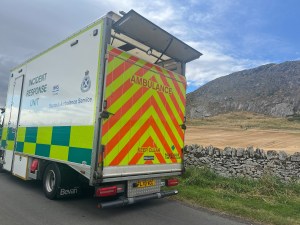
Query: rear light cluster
(172, 182)
(34, 166)
(108, 191)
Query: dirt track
(265, 139)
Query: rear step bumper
(129, 201)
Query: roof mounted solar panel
(139, 28)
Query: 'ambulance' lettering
(151, 84)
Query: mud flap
(70, 191)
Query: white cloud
(157, 11)
(200, 23)
(176, 19)
(215, 63)
(6, 63)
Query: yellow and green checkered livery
(64, 143)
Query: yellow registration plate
(145, 183)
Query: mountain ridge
(271, 89)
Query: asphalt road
(23, 202)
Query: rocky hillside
(272, 89)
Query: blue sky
(233, 35)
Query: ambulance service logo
(55, 89)
(86, 82)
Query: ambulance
(104, 107)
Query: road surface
(23, 202)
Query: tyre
(1, 165)
(51, 181)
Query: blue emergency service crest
(86, 82)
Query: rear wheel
(1, 168)
(51, 181)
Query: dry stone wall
(244, 162)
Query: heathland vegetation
(267, 200)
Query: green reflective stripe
(80, 155)
(66, 143)
(30, 134)
(20, 146)
(3, 143)
(42, 150)
(21, 134)
(4, 134)
(10, 145)
(29, 148)
(82, 137)
(61, 135)
(44, 135)
(7, 141)
(59, 152)
(11, 134)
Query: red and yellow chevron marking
(147, 104)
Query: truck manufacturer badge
(72, 191)
(86, 82)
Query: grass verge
(266, 200)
